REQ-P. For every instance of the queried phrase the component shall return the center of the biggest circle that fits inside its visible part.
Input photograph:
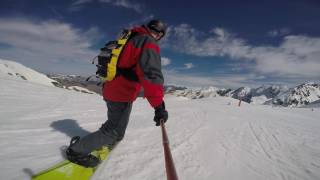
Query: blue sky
(226, 43)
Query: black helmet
(158, 26)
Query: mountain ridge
(278, 95)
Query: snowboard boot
(86, 160)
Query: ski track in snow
(210, 138)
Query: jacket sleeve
(149, 73)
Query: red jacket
(143, 53)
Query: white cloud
(296, 56)
(165, 61)
(126, 4)
(78, 5)
(188, 40)
(188, 66)
(51, 42)
(227, 80)
(279, 32)
(79, 2)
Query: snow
(11, 69)
(210, 138)
(259, 99)
(80, 89)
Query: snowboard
(67, 170)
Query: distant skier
(143, 54)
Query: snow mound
(11, 69)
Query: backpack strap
(112, 65)
(129, 72)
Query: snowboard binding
(86, 160)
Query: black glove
(160, 113)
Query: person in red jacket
(139, 67)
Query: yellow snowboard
(67, 170)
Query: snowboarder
(143, 54)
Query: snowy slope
(11, 69)
(80, 89)
(210, 138)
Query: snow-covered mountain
(17, 71)
(197, 93)
(315, 104)
(170, 89)
(11, 69)
(78, 83)
(250, 95)
(301, 95)
(257, 95)
(243, 93)
(269, 91)
(210, 138)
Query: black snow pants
(110, 132)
